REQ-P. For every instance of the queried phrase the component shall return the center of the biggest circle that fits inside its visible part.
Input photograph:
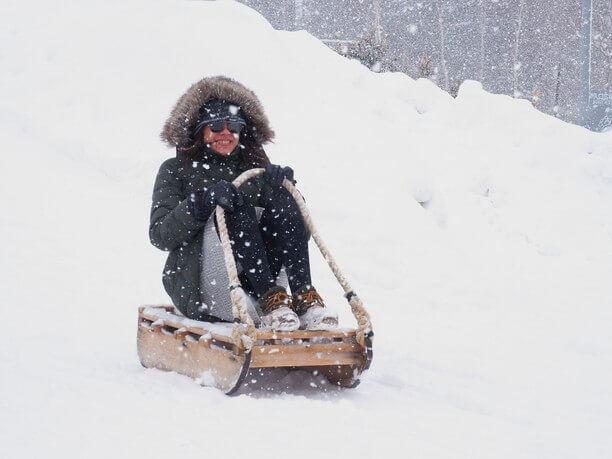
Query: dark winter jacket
(172, 225)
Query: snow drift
(477, 230)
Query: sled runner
(220, 354)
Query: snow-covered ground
(477, 231)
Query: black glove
(275, 174)
(222, 194)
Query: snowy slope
(477, 230)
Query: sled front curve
(170, 342)
(205, 351)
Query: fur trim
(179, 126)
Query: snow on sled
(220, 354)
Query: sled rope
(237, 294)
(357, 307)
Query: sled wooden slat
(313, 348)
(304, 334)
(191, 329)
(307, 355)
(165, 307)
(305, 359)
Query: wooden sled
(206, 352)
(221, 354)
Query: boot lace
(278, 300)
(308, 299)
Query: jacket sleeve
(172, 222)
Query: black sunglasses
(234, 127)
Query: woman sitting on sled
(218, 128)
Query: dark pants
(280, 238)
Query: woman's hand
(222, 194)
(275, 174)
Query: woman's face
(223, 142)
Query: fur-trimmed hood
(179, 127)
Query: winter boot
(313, 313)
(276, 306)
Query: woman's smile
(223, 142)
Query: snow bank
(477, 230)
